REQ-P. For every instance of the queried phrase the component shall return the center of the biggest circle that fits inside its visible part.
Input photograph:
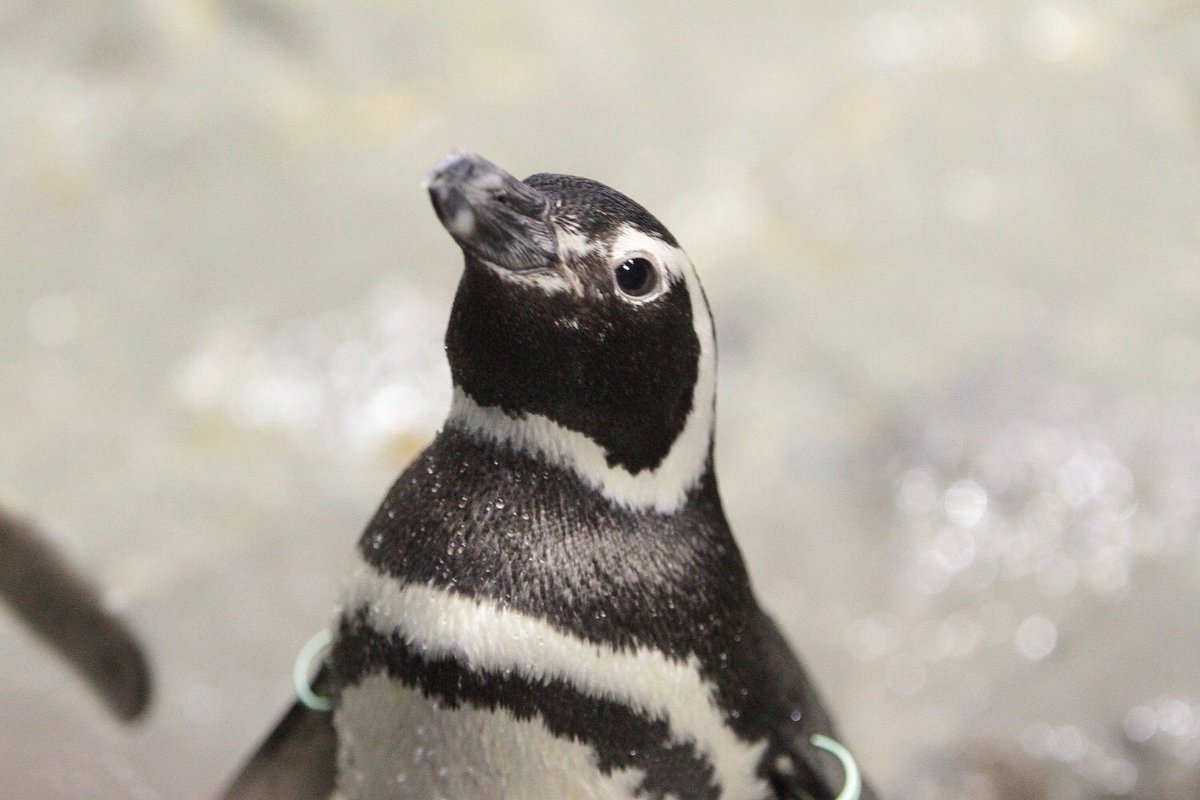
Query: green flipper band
(852, 788)
(314, 649)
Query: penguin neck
(485, 521)
(663, 489)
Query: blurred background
(953, 252)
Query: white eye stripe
(671, 265)
(671, 260)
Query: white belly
(396, 744)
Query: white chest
(395, 743)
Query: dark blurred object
(298, 760)
(66, 612)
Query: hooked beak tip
(462, 169)
(490, 213)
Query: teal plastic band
(852, 788)
(313, 650)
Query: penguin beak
(492, 215)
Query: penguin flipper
(812, 773)
(62, 608)
(298, 760)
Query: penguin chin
(553, 279)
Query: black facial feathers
(620, 372)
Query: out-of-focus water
(953, 251)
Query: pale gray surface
(953, 251)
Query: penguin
(550, 602)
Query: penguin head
(579, 330)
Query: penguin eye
(637, 276)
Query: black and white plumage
(551, 603)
